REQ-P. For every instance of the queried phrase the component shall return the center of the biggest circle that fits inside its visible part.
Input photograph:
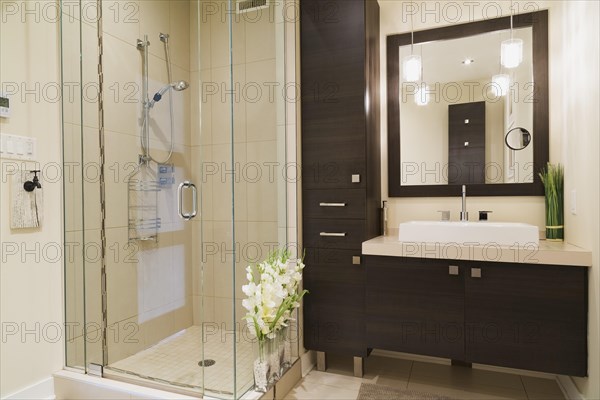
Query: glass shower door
(160, 301)
(153, 197)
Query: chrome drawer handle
(333, 234)
(332, 204)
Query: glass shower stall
(179, 143)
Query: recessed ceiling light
(468, 61)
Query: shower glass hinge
(95, 370)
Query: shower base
(174, 361)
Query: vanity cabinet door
(415, 306)
(527, 316)
(334, 307)
(333, 52)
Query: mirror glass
(517, 138)
(454, 122)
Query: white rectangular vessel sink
(475, 233)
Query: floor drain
(207, 363)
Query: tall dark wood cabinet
(341, 187)
(466, 143)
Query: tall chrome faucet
(464, 215)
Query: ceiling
(443, 60)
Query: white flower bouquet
(273, 293)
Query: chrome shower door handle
(190, 185)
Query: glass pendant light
(500, 81)
(500, 84)
(422, 95)
(411, 65)
(511, 50)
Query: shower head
(177, 86)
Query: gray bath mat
(369, 391)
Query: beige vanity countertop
(552, 253)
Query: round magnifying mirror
(517, 138)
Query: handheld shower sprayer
(148, 104)
(177, 86)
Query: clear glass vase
(555, 229)
(285, 348)
(262, 366)
(273, 358)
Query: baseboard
(568, 387)
(74, 385)
(309, 360)
(288, 381)
(41, 390)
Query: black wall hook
(30, 186)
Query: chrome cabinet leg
(321, 361)
(359, 367)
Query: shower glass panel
(81, 194)
(175, 138)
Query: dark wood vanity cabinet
(527, 316)
(341, 187)
(334, 309)
(415, 306)
(522, 316)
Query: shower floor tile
(174, 361)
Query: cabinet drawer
(334, 233)
(344, 203)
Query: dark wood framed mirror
(535, 25)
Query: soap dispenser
(384, 219)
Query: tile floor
(175, 359)
(455, 382)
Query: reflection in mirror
(453, 123)
(517, 138)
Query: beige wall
(425, 135)
(574, 127)
(576, 121)
(31, 283)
